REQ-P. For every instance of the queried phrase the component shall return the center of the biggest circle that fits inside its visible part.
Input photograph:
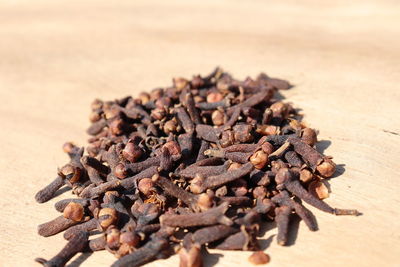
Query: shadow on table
(265, 227)
(265, 243)
(340, 169)
(210, 259)
(292, 236)
(322, 145)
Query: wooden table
(343, 57)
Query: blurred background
(342, 56)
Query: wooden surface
(343, 57)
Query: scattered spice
(200, 164)
(259, 257)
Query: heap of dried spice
(200, 164)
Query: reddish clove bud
(121, 171)
(73, 211)
(259, 159)
(259, 257)
(132, 152)
(107, 217)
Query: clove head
(129, 238)
(259, 159)
(71, 173)
(227, 138)
(326, 168)
(170, 126)
(267, 130)
(243, 133)
(191, 257)
(144, 97)
(107, 217)
(259, 192)
(180, 83)
(267, 147)
(214, 97)
(116, 126)
(74, 211)
(112, 237)
(156, 94)
(283, 176)
(121, 171)
(69, 147)
(132, 152)
(197, 82)
(173, 148)
(259, 257)
(306, 175)
(96, 104)
(309, 136)
(279, 109)
(276, 165)
(163, 102)
(146, 186)
(218, 117)
(158, 113)
(205, 201)
(318, 189)
(196, 184)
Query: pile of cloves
(200, 164)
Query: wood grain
(343, 57)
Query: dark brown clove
(237, 201)
(287, 179)
(147, 253)
(243, 240)
(209, 217)
(208, 133)
(48, 192)
(282, 222)
(199, 184)
(171, 189)
(144, 213)
(77, 244)
(191, 108)
(88, 226)
(56, 226)
(204, 171)
(60, 205)
(212, 233)
(259, 257)
(184, 120)
(198, 164)
(190, 257)
(97, 244)
(293, 159)
(323, 165)
(97, 127)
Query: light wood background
(343, 57)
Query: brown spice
(199, 164)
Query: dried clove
(199, 184)
(200, 164)
(286, 178)
(76, 244)
(209, 217)
(56, 226)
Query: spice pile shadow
(200, 164)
